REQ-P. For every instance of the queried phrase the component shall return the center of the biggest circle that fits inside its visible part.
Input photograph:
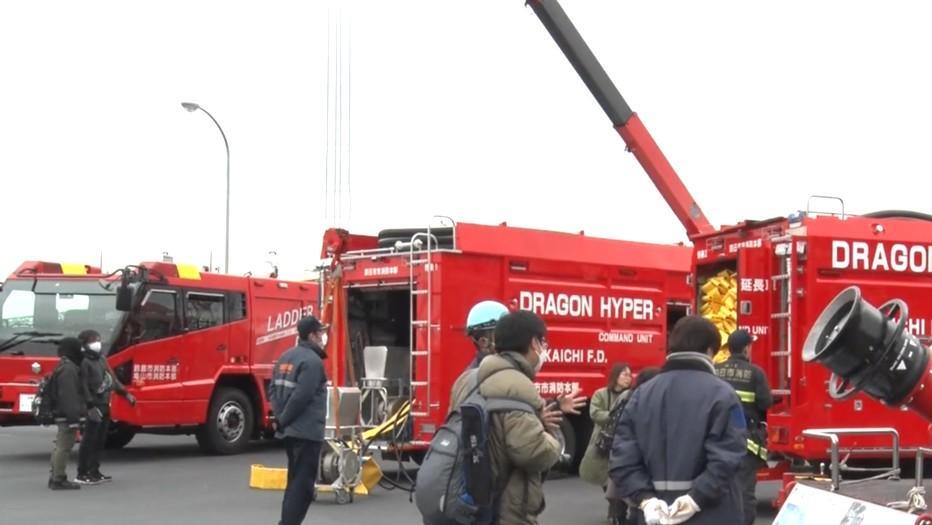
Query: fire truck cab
(195, 348)
(408, 291)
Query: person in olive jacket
(606, 404)
(521, 445)
(68, 408)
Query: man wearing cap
(750, 382)
(298, 395)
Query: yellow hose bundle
(719, 304)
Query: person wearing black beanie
(68, 406)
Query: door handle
(222, 348)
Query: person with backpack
(68, 409)
(681, 437)
(481, 321)
(97, 381)
(298, 395)
(604, 409)
(521, 448)
(480, 327)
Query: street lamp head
(190, 106)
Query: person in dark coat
(68, 408)
(750, 383)
(97, 382)
(298, 395)
(681, 437)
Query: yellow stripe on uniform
(73, 269)
(188, 271)
(745, 396)
(757, 450)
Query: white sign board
(25, 403)
(811, 506)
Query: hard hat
(484, 315)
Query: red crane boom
(625, 121)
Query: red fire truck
(788, 269)
(195, 348)
(409, 291)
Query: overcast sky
(466, 109)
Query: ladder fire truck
(787, 270)
(195, 348)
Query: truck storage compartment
(380, 317)
(717, 295)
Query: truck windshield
(34, 318)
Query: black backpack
(454, 483)
(43, 406)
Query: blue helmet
(484, 316)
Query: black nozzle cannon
(869, 349)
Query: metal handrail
(385, 252)
(920, 456)
(831, 435)
(810, 211)
(405, 247)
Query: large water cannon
(869, 349)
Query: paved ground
(166, 480)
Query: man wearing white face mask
(98, 381)
(298, 395)
(520, 447)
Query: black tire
(567, 437)
(388, 238)
(229, 425)
(118, 436)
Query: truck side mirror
(124, 298)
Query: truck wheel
(118, 436)
(229, 423)
(566, 435)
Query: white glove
(682, 508)
(655, 511)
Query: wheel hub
(231, 421)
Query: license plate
(25, 403)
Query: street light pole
(191, 107)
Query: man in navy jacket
(681, 438)
(298, 395)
